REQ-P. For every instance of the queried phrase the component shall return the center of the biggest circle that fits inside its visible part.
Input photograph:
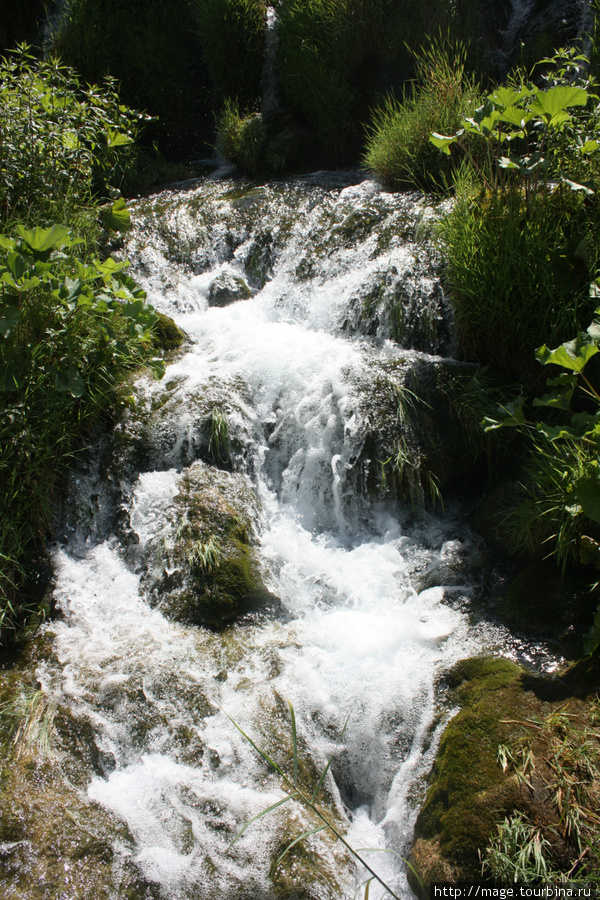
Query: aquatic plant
(218, 445)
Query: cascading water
(373, 599)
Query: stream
(373, 600)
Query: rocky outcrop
(502, 756)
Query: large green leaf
(587, 495)
(572, 355)
(9, 318)
(42, 240)
(552, 103)
(116, 217)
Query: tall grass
(398, 148)
(338, 57)
(515, 281)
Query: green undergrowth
(241, 139)
(398, 148)
(72, 322)
(70, 330)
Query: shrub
(152, 49)
(398, 148)
(232, 33)
(241, 140)
(69, 331)
(59, 143)
(515, 280)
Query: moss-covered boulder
(54, 842)
(227, 288)
(170, 426)
(204, 569)
(419, 441)
(470, 793)
(167, 334)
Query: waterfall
(374, 602)
(269, 80)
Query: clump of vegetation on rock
(207, 572)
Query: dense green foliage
(338, 57)
(59, 142)
(516, 282)
(151, 48)
(398, 149)
(71, 324)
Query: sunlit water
(375, 600)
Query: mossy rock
(167, 334)
(226, 289)
(415, 429)
(54, 842)
(469, 794)
(207, 572)
(171, 427)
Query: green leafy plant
(309, 800)
(564, 501)
(152, 49)
(60, 142)
(70, 330)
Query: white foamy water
(370, 615)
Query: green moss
(468, 792)
(167, 334)
(214, 575)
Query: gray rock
(226, 289)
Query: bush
(515, 280)
(152, 49)
(59, 143)
(232, 34)
(69, 331)
(241, 140)
(398, 149)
